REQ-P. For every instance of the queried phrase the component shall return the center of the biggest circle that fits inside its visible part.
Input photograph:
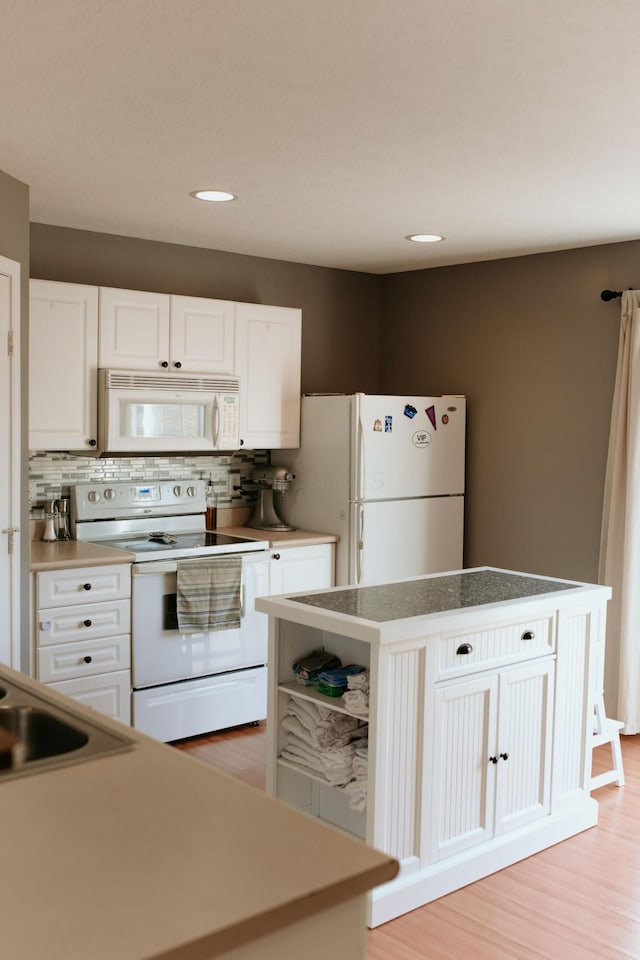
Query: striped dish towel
(208, 594)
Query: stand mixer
(270, 480)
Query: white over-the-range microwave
(140, 412)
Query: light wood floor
(578, 900)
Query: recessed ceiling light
(214, 196)
(425, 237)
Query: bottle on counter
(212, 508)
(50, 510)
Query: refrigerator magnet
(431, 413)
(421, 438)
(410, 411)
(445, 418)
(377, 426)
(388, 424)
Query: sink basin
(48, 734)
(40, 734)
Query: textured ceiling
(342, 125)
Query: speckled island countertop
(390, 611)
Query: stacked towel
(356, 696)
(357, 788)
(307, 669)
(208, 594)
(321, 740)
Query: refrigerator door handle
(359, 493)
(360, 544)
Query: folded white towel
(357, 793)
(301, 750)
(359, 681)
(360, 767)
(294, 758)
(357, 701)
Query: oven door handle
(154, 569)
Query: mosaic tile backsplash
(52, 474)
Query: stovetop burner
(159, 521)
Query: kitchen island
(148, 854)
(481, 691)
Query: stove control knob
(191, 491)
(177, 491)
(93, 496)
(109, 494)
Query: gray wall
(341, 309)
(14, 244)
(532, 345)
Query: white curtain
(620, 541)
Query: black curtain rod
(611, 294)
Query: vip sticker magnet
(410, 411)
(421, 438)
(388, 424)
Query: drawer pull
(504, 756)
(86, 586)
(464, 648)
(493, 759)
(87, 623)
(87, 659)
(276, 556)
(528, 635)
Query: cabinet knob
(464, 648)
(177, 364)
(87, 659)
(87, 623)
(528, 635)
(276, 556)
(493, 759)
(504, 756)
(165, 364)
(93, 443)
(86, 586)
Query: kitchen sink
(48, 736)
(39, 733)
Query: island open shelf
(482, 686)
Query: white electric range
(184, 684)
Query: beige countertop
(276, 538)
(78, 553)
(149, 853)
(74, 553)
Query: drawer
(462, 653)
(59, 588)
(65, 661)
(109, 693)
(86, 622)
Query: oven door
(161, 654)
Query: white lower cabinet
(82, 635)
(478, 739)
(295, 569)
(490, 756)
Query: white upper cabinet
(63, 361)
(267, 360)
(156, 331)
(201, 335)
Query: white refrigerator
(386, 474)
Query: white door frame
(10, 460)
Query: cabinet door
(201, 335)
(295, 569)
(523, 770)
(63, 361)
(134, 329)
(110, 693)
(267, 347)
(463, 777)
